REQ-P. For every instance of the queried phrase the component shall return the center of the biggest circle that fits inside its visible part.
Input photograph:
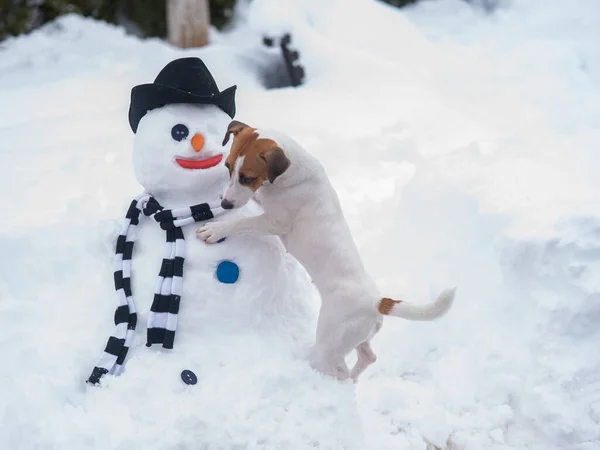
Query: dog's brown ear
(277, 162)
(234, 128)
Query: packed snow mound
(463, 147)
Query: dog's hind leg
(327, 364)
(366, 357)
(341, 371)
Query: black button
(189, 377)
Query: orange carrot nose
(198, 142)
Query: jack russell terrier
(302, 208)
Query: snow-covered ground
(464, 148)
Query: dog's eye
(228, 166)
(179, 132)
(246, 180)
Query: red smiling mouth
(199, 163)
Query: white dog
(301, 206)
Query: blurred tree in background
(145, 17)
(400, 3)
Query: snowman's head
(178, 150)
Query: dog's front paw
(212, 232)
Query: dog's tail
(430, 311)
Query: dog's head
(252, 162)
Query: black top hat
(184, 80)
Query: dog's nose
(226, 204)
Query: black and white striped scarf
(162, 319)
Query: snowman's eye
(179, 132)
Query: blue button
(228, 272)
(221, 240)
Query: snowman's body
(241, 283)
(245, 341)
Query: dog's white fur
(302, 207)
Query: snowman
(182, 290)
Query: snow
(463, 147)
